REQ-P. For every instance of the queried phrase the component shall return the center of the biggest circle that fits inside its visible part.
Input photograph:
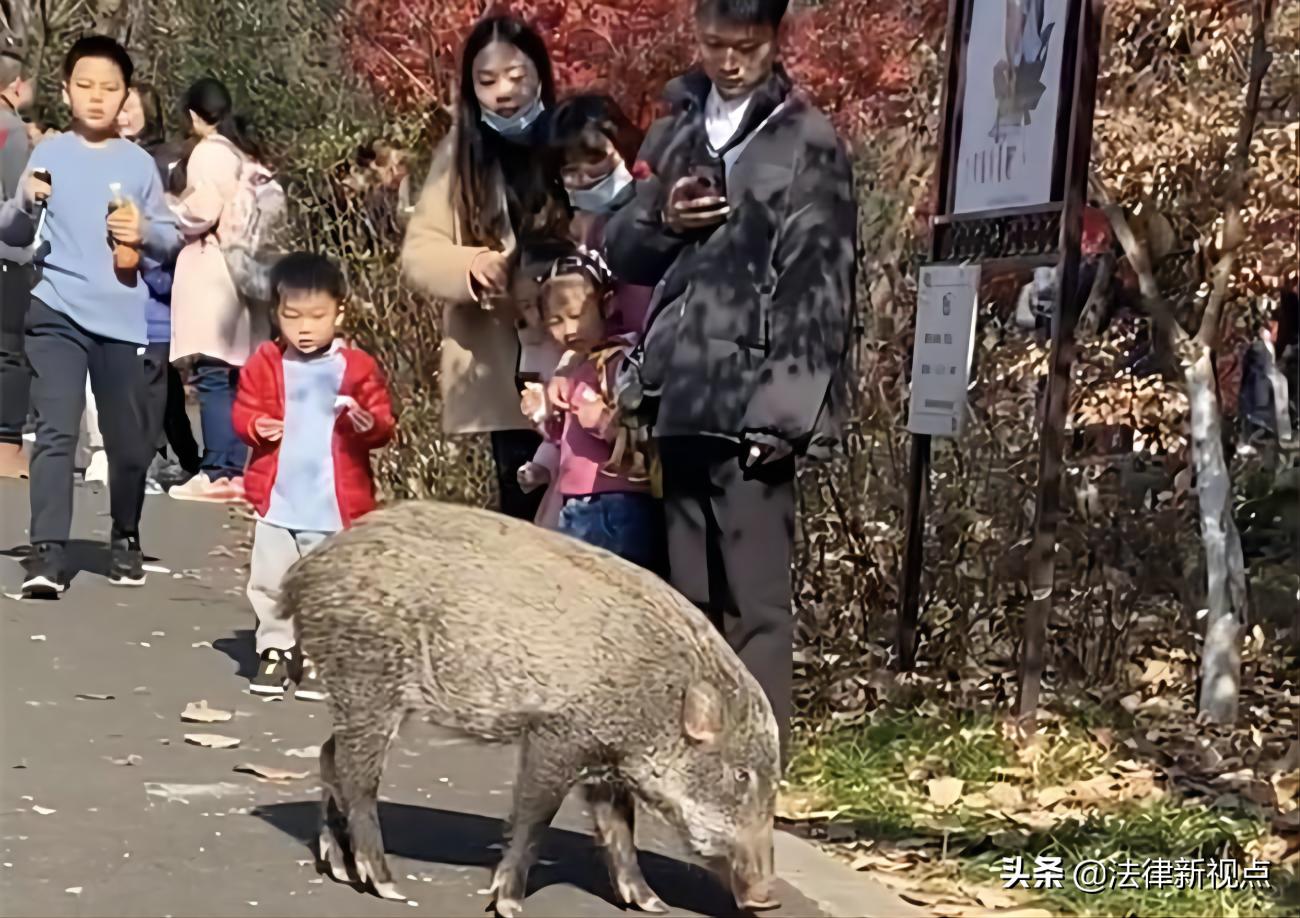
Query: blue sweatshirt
(74, 258)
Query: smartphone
(710, 180)
(43, 175)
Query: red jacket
(261, 395)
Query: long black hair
(536, 186)
(210, 100)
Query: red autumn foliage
(855, 58)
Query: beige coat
(480, 347)
(208, 315)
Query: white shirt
(722, 117)
(303, 497)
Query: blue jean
(625, 524)
(224, 454)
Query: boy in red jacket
(312, 409)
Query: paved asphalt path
(106, 810)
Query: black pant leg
(510, 450)
(119, 375)
(15, 374)
(755, 519)
(156, 391)
(57, 351)
(176, 422)
(730, 542)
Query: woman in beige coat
(489, 186)
(210, 321)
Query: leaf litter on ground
(211, 740)
(198, 712)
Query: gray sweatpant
(274, 551)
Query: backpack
(249, 226)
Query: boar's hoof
(636, 893)
(385, 889)
(332, 858)
(389, 890)
(508, 908)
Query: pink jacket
(585, 429)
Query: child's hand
(532, 476)
(126, 225)
(533, 403)
(269, 429)
(594, 414)
(362, 420)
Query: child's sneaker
(126, 561)
(45, 577)
(310, 688)
(272, 673)
(97, 470)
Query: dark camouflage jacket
(748, 331)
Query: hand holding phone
(39, 185)
(697, 201)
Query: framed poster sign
(1012, 91)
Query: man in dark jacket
(744, 214)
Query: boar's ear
(702, 713)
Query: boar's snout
(750, 870)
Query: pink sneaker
(202, 489)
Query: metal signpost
(1016, 135)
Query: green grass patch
(876, 776)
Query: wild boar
(604, 675)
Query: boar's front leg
(614, 812)
(335, 844)
(360, 747)
(548, 767)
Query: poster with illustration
(1009, 107)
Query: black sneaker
(309, 686)
(45, 578)
(272, 673)
(126, 562)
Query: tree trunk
(1226, 594)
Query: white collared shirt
(723, 117)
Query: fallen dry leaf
(1050, 796)
(211, 740)
(945, 792)
(198, 712)
(270, 773)
(994, 898)
(306, 752)
(126, 760)
(1006, 796)
(42, 810)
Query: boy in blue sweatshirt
(88, 308)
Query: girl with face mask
(488, 187)
(596, 145)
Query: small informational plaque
(945, 343)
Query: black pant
(730, 541)
(510, 450)
(15, 377)
(61, 353)
(167, 414)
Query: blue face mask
(516, 125)
(600, 197)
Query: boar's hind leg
(548, 767)
(614, 811)
(360, 747)
(334, 844)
